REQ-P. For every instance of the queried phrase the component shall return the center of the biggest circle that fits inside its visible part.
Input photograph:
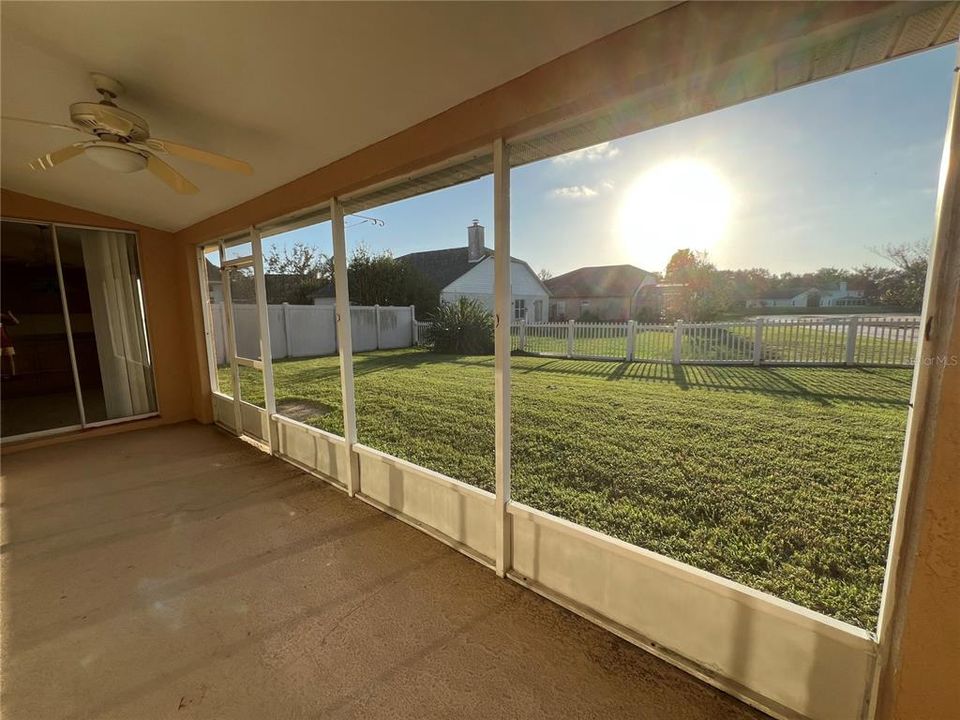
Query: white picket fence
(874, 341)
(855, 340)
(311, 331)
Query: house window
(519, 309)
(538, 310)
(584, 306)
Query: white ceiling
(289, 87)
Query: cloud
(578, 192)
(574, 191)
(603, 151)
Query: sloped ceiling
(289, 87)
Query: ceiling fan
(122, 141)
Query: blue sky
(816, 176)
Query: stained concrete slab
(178, 572)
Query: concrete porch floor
(178, 572)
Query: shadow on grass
(823, 385)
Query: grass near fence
(781, 478)
(808, 342)
(648, 344)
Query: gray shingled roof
(442, 267)
(602, 281)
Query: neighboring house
(831, 295)
(468, 272)
(604, 293)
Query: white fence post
(286, 330)
(853, 329)
(523, 334)
(376, 316)
(571, 331)
(677, 341)
(631, 339)
(414, 338)
(758, 342)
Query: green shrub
(461, 328)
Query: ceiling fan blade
(41, 123)
(221, 162)
(170, 176)
(45, 162)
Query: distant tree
(900, 286)
(686, 265)
(295, 274)
(381, 279)
(910, 260)
(299, 259)
(708, 291)
(544, 274)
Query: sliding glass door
(37, 390)
(75, 350)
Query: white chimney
(475, 249)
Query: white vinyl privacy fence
(310, 330)
(879, 341)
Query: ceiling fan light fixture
(123, 143)
(117, 158)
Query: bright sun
(682, 203)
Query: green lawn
(781, 478)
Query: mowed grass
(781, 478)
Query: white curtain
(113, 280)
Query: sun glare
(682, 203)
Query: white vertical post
(758, 342)
(376, 316)
(286, 330)
(209, 322)
(853, 330)
(413, 325)
(631, 339)
(266, 355)
(677, 341)
(571, 332)
(523, 334)
(68, 327)
(345, 343)
(226, 274)
(502, 308)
